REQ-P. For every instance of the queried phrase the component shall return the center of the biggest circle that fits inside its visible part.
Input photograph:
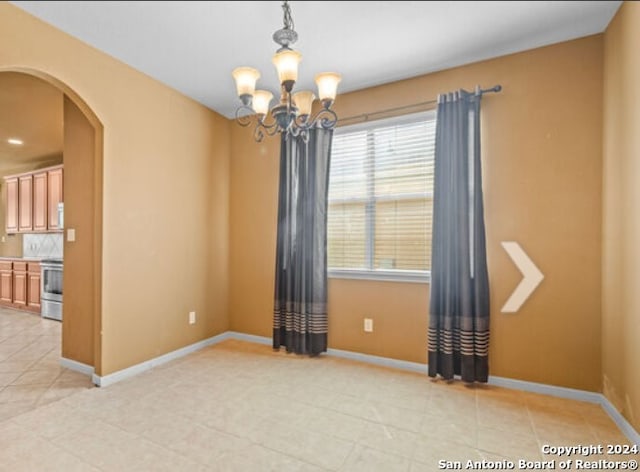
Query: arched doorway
(82, 158)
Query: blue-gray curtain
(459, 303)
(300, 308)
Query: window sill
(382, 275)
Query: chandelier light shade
(246, 78)
(292, 116)
(286, 63)
(327, 83)
(304, 101)
(261, 101)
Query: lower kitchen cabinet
(6, 283)
(20, 285)
(33, 286)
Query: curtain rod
(366, 116)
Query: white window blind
(380, 198)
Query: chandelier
(292, 116)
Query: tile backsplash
(43, 245)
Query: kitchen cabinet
(6, 282)
(33, 286)
(25, 203)
(20, 284)
(32, 200)
(54, 196)
(11, 185)
(40, 197)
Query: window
(380, 199)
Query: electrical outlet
(368, 325)
(192, 317)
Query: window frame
(388, 275)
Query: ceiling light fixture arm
(326, 118)
(264, 129)
(244, 113)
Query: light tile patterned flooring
(242, 407)
(30, 372)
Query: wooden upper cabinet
(55, 196)
(32, 200)
(25, 207)
(12, 204)
(40, 201)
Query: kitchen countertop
(28, 259)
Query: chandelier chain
(288, 19)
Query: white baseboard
(252, 338)
(553, 390)
(572, 394)
(620, 421)
(109, 379)
(381, 361)
(354, 356)
(76, 366)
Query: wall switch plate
(71, 235)
(368, 325)
(192, 317)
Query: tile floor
(30, 372)
(238, 406)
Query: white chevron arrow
(531, 277)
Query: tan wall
(165, 200)
(542, 169)
(254, 200)
(621, 219)
(79, 207)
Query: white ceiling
(194, 46)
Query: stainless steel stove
(51, 284)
